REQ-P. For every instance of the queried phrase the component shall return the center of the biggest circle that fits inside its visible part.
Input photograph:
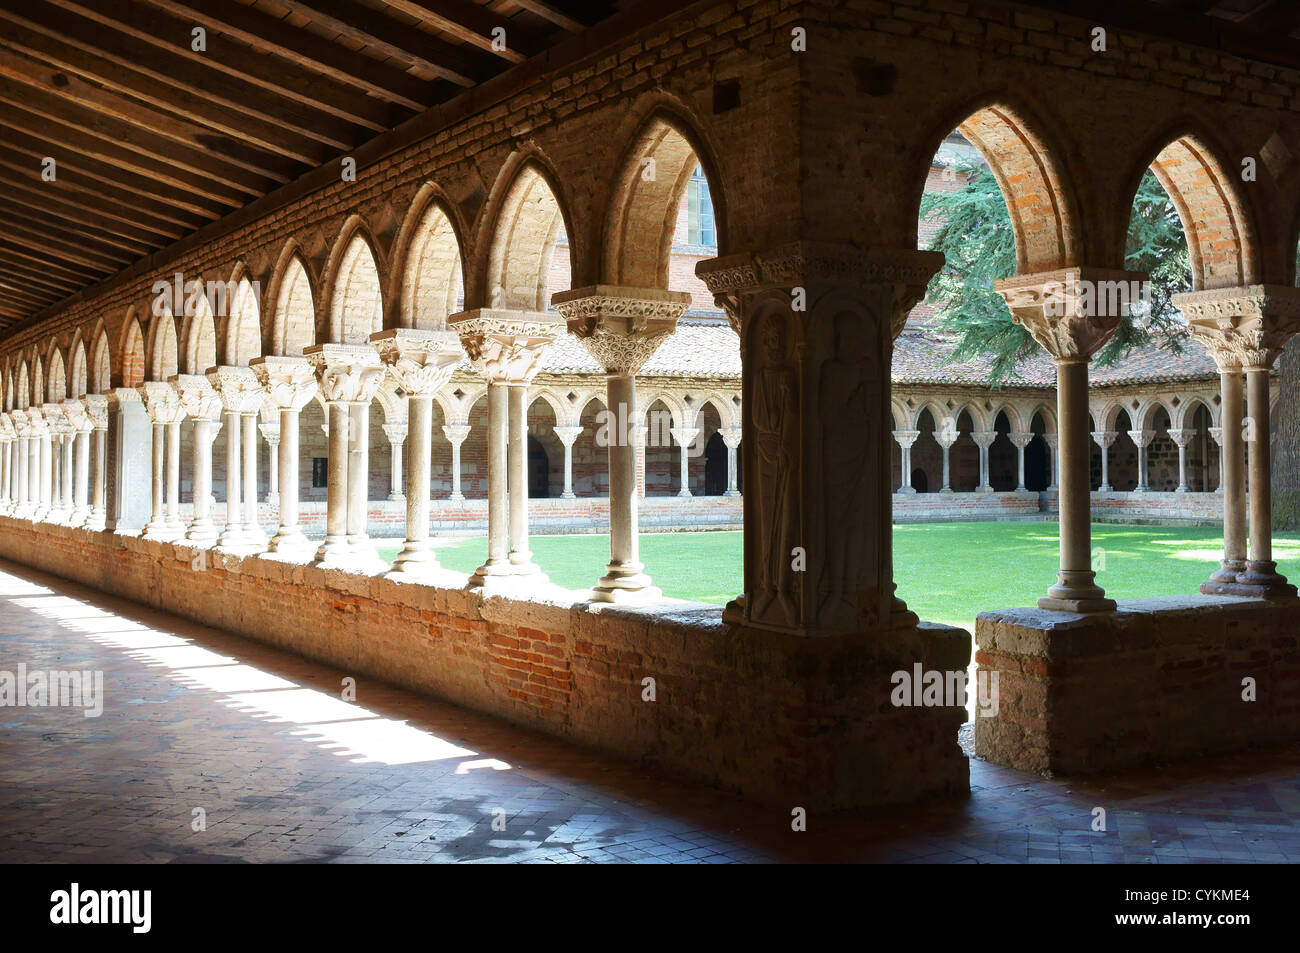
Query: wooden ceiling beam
(473, 24)
(113, 229)
(271, 35)
(552, 13)
(41, 271)
(224, 55)
(38, 234)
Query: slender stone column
(421, 362)
(621, 328)
(77, 461)
(1021, 439)
(396, 434)
(203, 405)
(507, 348)
(685, 437)
(36, 431)
(45, 465)
(1053, 468)
(252, 531)
(1105, 439)
(1142, 439)
(731, 440)
(945, 439)
(905, 439)
(6, 446)
(984, 439)
(1245, 330)
(1067, 313)
(348, 375)
(61, 464)
(97, 411)
(164, 410)
(1181, 439)
(1216, 434)
(567, 436)
(456, 435)
(290, 382)
(20, 469)
(271, 434)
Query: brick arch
(22, 393)
(526, 216)
(77, 370)
(1221, 241)
(198, 338)
(56, 377)
(1029, 169)
(242, 337)
(1015, 419)
(1186, 411)
(354, 299)
(428, 264)
(642, 218)
(37, 395)
(9, 385)
(131, 354)
(557, 406)
(292, 321)
(161, 346)
(1144, 416)
(99, 372)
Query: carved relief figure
(775, 401)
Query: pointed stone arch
(354, 287)
(430, 273)
(529, 222)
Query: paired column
(164, 409)
(289, 382)
(507, 348)
(905, 439)
(1053, 469)
(1216, 434)
(396, 434)
(567, 436)
(1181, 439)
(1066, 313)
(685, 437)
(1105, 439)
(456, 435)
(621, 328)
(203, 406)
(77, 461)
(240, 394)
(984, 439)
(19, 469)
(1142, 439)
(348, 375)
(60, 463)
(6, 448)
(1021, 439)
(421, 362)
(1245, 330)
(44, 461)
(97, 411)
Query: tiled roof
(696, 349)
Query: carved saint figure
(775, 401)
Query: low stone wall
(1157, 507)
(789, 721)
(953, 507)
(1157, 680)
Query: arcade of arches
(398, 352)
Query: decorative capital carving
(567, 435)
(396, 433)
(1050, 440)
(984, 438)
(906, 438)
(621, 327)
(1104, 438)
(1071, 312)
(421, 362)
(161, 402)
(1021, 438)
(455, 433)
(97, 410)
(238, 388)
(1182, 437)
(906, 271)
(74, 411)
(346, 372)
(1216, 434)
(289, 381)
(198, 397)
(506, 347)
(685, 436)
(1141, 438)
(731, 436)
(270, 433)
(1244, 327)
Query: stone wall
(1159, 679)
(785, 720)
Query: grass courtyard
(947, 572)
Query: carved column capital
(290, 382)
(906, 438)
(396, 433)
(567, 435)
(1021, 438)
(455, 433)
(818, 265)
(1071, 312)
(621, 327)
(270, 433)
(161, 402)
(55, 419)
(1216, 434)
(684, 436)
(421, 362)
(197, 396)
(1245, 327)
(1182, 437)
(97, 410)
(506, 347)
(346, 372)
(1141, 438)
(731, 436)
(1105, 438)
(74, 411)
(238, 388)
(984, 438)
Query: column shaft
(252, 532)
(415, 553)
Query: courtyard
(932, 562)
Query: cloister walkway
(284, 770)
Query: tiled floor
(283, 770)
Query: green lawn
(947, 572)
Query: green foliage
(977, 241)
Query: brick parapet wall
(1157, 680)
(785, 720)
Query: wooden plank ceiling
(152, 139)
